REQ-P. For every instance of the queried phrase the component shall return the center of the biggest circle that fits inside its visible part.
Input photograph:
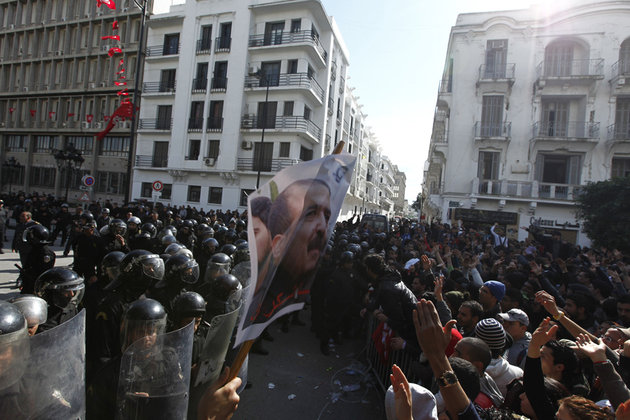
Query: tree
(604, 208)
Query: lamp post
(11, 167)
(71, 158)
(263, 78)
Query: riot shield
(218, 334)
(54, 380)
(155, 376)
(243, 272)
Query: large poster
(290, 220)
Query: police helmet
(135, 220)
(218, 264)
(173, 248)
(168, 239)
(60, 286)
(187, 305)
(14, 345)
(224, 294)
(210, 244)
(205, 231)
(230, 236)
(355, 248)
(105, 211)
(143, 318)
(117, 227)
(346, 257)
(242, 253)
(228, 249)
(110, 265)
(36, 234)
(138, 270)
(179, 271)
(148, 231)
(86, 217)
(34, 309)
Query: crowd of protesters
(537, 328)
(495, 327)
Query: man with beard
(298, 221)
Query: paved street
(294, 381)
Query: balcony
(155, 124)
(219, 84)
(158, 87)
(148, 161)
(204, 46)
(199, 85)
(161, 50)
(526, 190)
(288, 38)
(571, 131)
(214, 124)
(574, 71)
(496, 73)
(300, 124)
(297, 80)
(445, 86)
(195, 125)
(620, 72)
(619, 132)
(267, 165)
(501, 131)
(222, 44)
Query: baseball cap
(515, 315)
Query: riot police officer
(181, 272)
(63, 290)
(39, 259)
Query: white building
(531, 106)
(209, 68)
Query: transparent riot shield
(243, 272)
(155, 376)
(217, 340)
(54, 380)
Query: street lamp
(263, 78)
(11, 167)
(69, 157)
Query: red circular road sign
(158, 186)
(88, 180)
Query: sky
(397, 52)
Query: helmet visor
(145, 332)
(190, 272)
(68, 295)
(153, 266)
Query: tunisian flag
(125, 110)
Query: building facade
(530, 107)
(57, 87)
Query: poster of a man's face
(291, 218)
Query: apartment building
(532, 105)
(232, 93)
(57, 88)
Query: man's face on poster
(263, 238)
(308, 229)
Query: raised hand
(595, 351)
(548, 302)
(433, 339)
(543, 334)
(402, 394)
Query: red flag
(114, 50)
(115, 25)
(70, 114)
(114, 37)
(11, 109)
(33, 112)
(108, 3)
(89, 118)
(106, 117)
(120, 83)
(51, 114)
(125, 110)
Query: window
(270, 73)
(215, 120)
(194, 193)
(307, 113)
(306, 154)
(171, 44)
(314, 33)
(166, 191)
(196, 116)
(559, 59)
(201, 80)
(555, 118)
(112, 182)
(292, 67)
(213, 148)
(45, 144)
(273, 33)
(219, 81)
(146, 190)
(267, 117)
(558, 169)
(114, 146)
(42, 177)
(167, 80)
(83, 144)
(310, 72)
(263, 153)
(620, 167)
(194, 147)
(225, 38)
(160, 154)
(622, 119)
(244, 194)
(215, 195)
(496, 54)
(206, 38)
(164, 117)
(296, 25)
(285, 149)
(488, 168)
(288, 109)
(492, 116)
(16, 144)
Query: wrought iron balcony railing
(619, 132)
(219, 84)
(155, 124)
(570, 68)
(566, 130)
(156, 87)
(214, 124)
(199, 85)
(222, 44)
(195, 124)
(482, 129)
(281, 38)
(286, 79)
(148, 161)
(204, 46)
(162, 50)
(265, 165)
(254, 122)
(505, 71)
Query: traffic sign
(88, 180)
(158, 186)
(85, 197)
(84, 188)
